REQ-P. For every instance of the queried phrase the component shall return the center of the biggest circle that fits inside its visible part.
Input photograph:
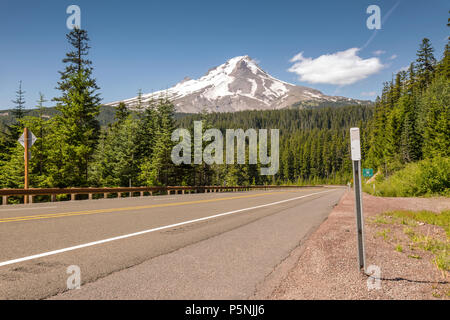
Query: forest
(76, 147)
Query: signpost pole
(356, 159)
(25, 134)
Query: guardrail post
(90, 196)
(53, 198)
(73, 197)
(142, 193)
(4, 200)
(31, 199)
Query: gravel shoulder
(325, 267)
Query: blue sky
(154, 44)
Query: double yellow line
(162, 205)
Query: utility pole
(356, 159)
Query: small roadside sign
(31, 139)
(355, 144)
(368, 173)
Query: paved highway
(193, 246)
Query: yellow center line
(88, 212)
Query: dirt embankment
(327, 267)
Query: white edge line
(90, 244)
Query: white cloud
(394, 56)
(368, 94)
(340, 68)
(379, 52)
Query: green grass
(429, 177)
(439, 248)
(411, 217)
(384, 233)
(379, 220)
(411, 220)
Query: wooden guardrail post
(4, 200)
(73, 196)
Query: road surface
(193, 246)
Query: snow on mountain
(239, 84)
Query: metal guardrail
(73, 192)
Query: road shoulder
(326, 266)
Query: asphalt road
(193, 246)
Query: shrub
(423, 178)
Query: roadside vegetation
(418, 235)
(429, 177)
(408, 144)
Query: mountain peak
(236, 85)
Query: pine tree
(19, 110)
(122, 112)
(77, 128)
(425, 63)
(114, 163)
(159, 169)
(41, 133)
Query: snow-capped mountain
(239, 84)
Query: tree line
(412, 116)
(408, 122)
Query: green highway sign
(367, 172)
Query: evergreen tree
(114, 163)
(159, 169)
(76, 127)
(425, 63)
(42, 130)
(18, 112)
(19, 109)
(122, 112)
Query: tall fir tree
(18, 112)
(77, 128)
(19, 109)
(426, 63)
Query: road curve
(194, 246)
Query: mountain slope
(239, 84)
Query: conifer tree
(159, 169)
(122, 112)
(76, 127)
(19, 110)
(425, 63)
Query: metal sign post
(27, 140)
(356, 159)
